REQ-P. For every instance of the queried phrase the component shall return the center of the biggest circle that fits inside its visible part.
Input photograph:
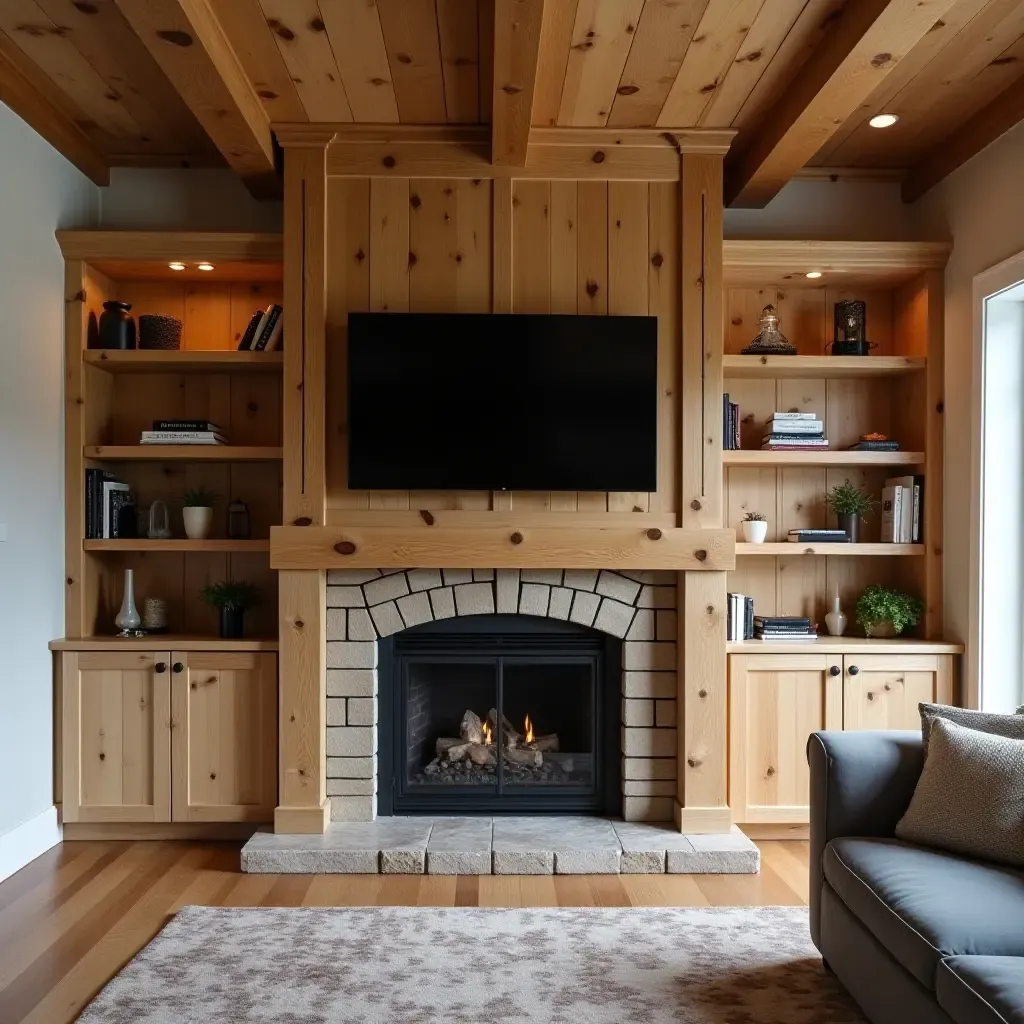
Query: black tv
(499, 402)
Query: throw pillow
(1010, 726)
(970, 797)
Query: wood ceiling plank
(720, 34)
(662, 38)
(45, 44)
(460, 60)
(517, 31)
(189, 44)
(49, 120)
(555, 41)
(301, 36)
(252, 40)
(414, 53)
(601, 39)
(864, 44)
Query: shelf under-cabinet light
(813, 274)
(204, 266)
(883, 120)
(176, 266)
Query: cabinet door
(882, 691)
(116, 760)
(775, 702)
(224, 736)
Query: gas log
(478, 738)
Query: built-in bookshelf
(114, 395)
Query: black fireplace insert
(499, 714)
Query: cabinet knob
(853, 670)
(178, 667)
(834, 670)
(160, 666)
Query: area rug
(423, 965)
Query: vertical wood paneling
(433, 244)
(414, 53)
(459, 40)
(592, 262)
(555, 43)
(474, 243)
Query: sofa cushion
(923, 904)
(1010, 726)
(982, 989)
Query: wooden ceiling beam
(866, 42)
(517, 30)
(188, 42)
(53, 124)
(983, 128)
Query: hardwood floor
(71, 919)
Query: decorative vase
(850, 525)
(117, 328)
(159, 332)
(197, 521)
(835, 620)
(755, 531)
(128, 619)
(232, 623)
(881, 630)
(154, 618)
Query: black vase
(850, 525)
(232, 622)
(117, 328)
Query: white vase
(754, 531)
(835, 620)
(197, 521)
(128, 619)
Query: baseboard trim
(31, 839)
(143, 831)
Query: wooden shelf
(856, 550)
(828, 457)
(182, 452)
(797, 367)
(844, 645)
(142, 544)
(161, 642)
(139, 361)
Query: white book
(795, 415)
(796, 426)
(905, 533)
(181, 437)
(892, 511)
(108, 487)
(916, 534)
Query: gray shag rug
(422, 965)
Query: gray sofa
(917, 936)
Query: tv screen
(500, 402)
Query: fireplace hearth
(499, 714)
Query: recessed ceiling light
(883, 120)
(813, 273)
(204, 266)
(176, 266)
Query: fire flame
(529, 729)
(487, 733)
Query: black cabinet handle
(834, 670)
(160, 666)
(178, 667)
(853, 670)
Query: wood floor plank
(608, 891)
(682, 891)
(250, 890)
(573, 891)
(288, 891)
(765, 889)
(781, 858)
(467, 891)
(437, 891)
(41, 869)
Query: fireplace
(496, 714)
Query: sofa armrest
(861, 785)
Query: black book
(178, 426)
(726, 410)
(90, 503)
(781, 621)
(250, 332)
(748, 622)
(260, 343)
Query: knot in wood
(657, 260)
(710, 609)
(103, 756)
(700, 554)
(702, 694)
(694, 762)
(654, 533)
(213, 775)
(598, 157)
(414, 201)
(871, 696)
(511, 90)
(299, 624)
(427, 517)
(592, 288)
(175, 36)
(696, 505)
(70, 581)
(628, 90)
(770, 771)
(345, 547)
(389, 161)
(302, 521)
(516, 538)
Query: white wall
(39, 192)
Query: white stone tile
(639, 655)
(508, 591)
(351, 741)
(727, 853)
(533, 599)
(523, 862)
(353, 808)
(657, 597)
(403, 862)
(352, 767)
(611, 584)
(336, 711)
(483, 575)
(337, 624)
(644, 846)
(588, 862)
(386, 618)
(584, 607)
(643, 625)
(360, 627)
(642, 862)
(560, 603)
(345, 597)
(423, 579)
(667, 625)
(580, 579)
(351, 682)
(455, 576)
(649, 787)
(637, 712)
(649, 684)
(387, 588)
(638, 742)
(665, 713)
(475, 599)
(350, 577)
(443, 603)
(351, 787)
(459, 846)
(347, 654)
(647, 808)
(649, 767)
(362, 711)
(552, 577)
(414, 609)
(568, 845)
(613, 617)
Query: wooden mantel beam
(517, 29)
(188, 42)
(984, 127)
(866, 42)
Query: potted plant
(197, 512)
(233, 598)
(755, 528)
(884, 612)
(851, 505)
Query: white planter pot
(197, 522)
(755, 531)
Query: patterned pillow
(1010, 726)
(970, 797)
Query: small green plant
(235, 595)
(754, 517)
(846, 499)
(199, 497)
(882, 604)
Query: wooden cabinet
(882, 691)
(168, 736)
(224, 747)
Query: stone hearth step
(501, 846)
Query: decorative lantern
(770, 341)
(849, 338)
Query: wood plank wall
(443, 245)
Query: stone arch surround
(639, 607)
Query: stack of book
(784, 627)
(902, 519)
(794, 432)
(109, 507)
(264, 332)
(730, 425)
(819, 537)
(183, 432)
(875, 443)
(739, 618)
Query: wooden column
(702, 803)
(303, 803)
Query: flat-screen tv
(498, 402)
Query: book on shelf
(177, 437)
(94, 480)
(268, 334)
(801, 427)
(806, 441)
(908, 528)
(787, 637)
(185, 425)
(792, 446)
(250, 332)
(795, 416)
(819, 537)
(730, 424)
(115, 496)
(739, 617)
